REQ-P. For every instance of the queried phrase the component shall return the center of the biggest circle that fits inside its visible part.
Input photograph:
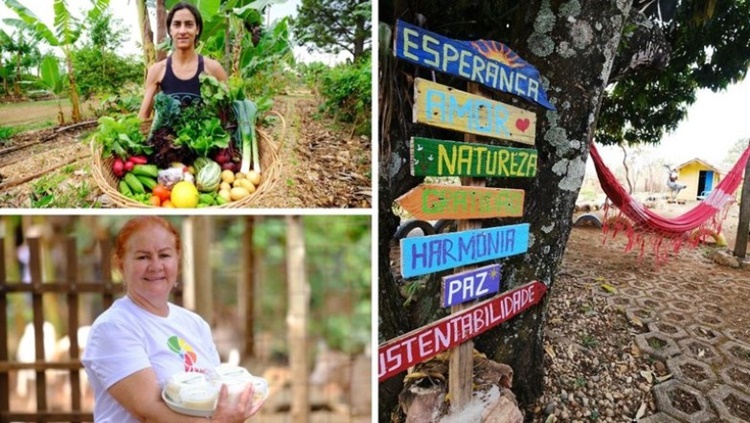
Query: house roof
(699, 162)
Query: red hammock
(638, 221)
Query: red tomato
(162, 192)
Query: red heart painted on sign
(522, 124)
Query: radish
(129, 166)
(118, 167)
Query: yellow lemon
(184, 195)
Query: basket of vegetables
(200, 155)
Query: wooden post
(743, 226)
(299, 300)
(4, 377)
(38, 318)
(71, 273)
(461, 358)
(246, 288)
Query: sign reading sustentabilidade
(428, 341)
(430, 157)
(470, 285)
(428, 254)
(445, 107)
(434, 202)
(489, 63)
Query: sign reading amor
(446, 107)
(470, 285)
(419, 345)
(427, 254)
(489, 63)
(431, 157)
(433, 201)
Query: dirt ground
(320, 163)
(629, 340)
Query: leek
(246, 113)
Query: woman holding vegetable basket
(150, 360)
(177, 75)
(189, 158)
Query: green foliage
(347, 91)
(60, 190)
(712, 52)
(104, 72)
(334, 25)
(6, 132)
(126, 100)
(312, 73)
(121, 137)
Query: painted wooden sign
(430, 157)
(427, 254)
(489, 63)
(470, 285)
(445, 107)
(420, 345)
(434, 201)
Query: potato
(239, 175)
(245, 183)
(238, 193)
(254, 177)
(224, 193)
(225, 186)
(227, 176)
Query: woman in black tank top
(185, 25)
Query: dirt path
(667, 343)
(29, 112)
(319, 165)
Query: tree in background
(67, 30)
(100, 69)
(580, 48)
(334, 25)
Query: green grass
(589, 341)
(61, 190)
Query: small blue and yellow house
(700, 178)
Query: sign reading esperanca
(489, 63)
(430, 157)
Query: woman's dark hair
(196, 15)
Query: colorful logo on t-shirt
(178, 346)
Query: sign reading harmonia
(434, 201)
(427, 254)
(419, 345)
(489, 63)
(430, 157)
(449, 108)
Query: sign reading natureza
(421, 344)
(489, 63)
(449, 108)
(431, 157)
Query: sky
(126, 11)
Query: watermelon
(200, 163)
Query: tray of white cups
(195, 394)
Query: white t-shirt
(126, 338)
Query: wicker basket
(268, 152)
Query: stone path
(695, 319)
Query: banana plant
(66, 31)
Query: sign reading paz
(449, 108)
(427, 254)
(489, 63)
(419, 345)
(431, 157)
(470, 285)
(433, 201)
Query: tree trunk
(246, 288)
(147, 35)
(74, 100)
(743, 226)
(299, 300)
(359, 40)
(161, 28)
(196, 274)
(574, 52)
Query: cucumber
(148, 183)
(124, 188)
(135, 185)
(149, 170)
